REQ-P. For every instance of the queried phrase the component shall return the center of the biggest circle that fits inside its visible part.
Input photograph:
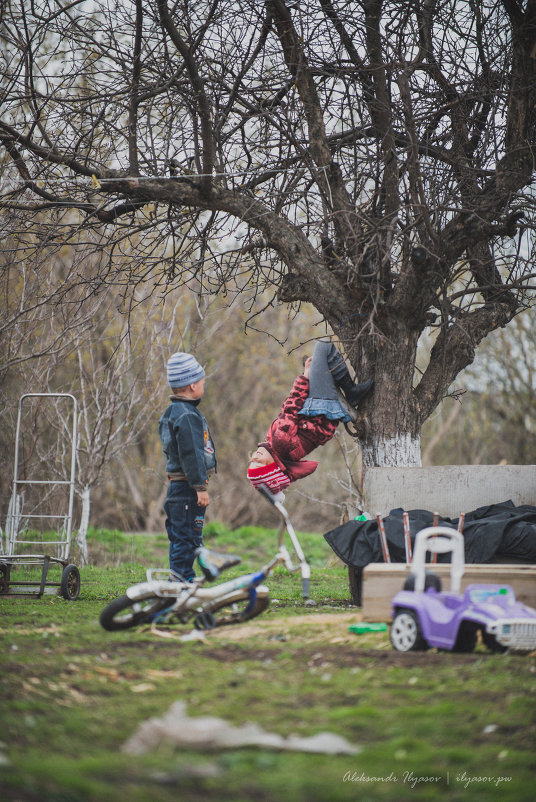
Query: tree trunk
(400, 450)
(391, 420)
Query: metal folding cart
(25, 543)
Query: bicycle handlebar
(266, 493)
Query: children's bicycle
(166, 598)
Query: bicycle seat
(212, 563)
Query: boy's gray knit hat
(183, 369)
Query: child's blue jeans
(184, 526)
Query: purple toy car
(423, 616)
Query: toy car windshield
(479, 595)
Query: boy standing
(191, 459)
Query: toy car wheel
(431, 580)
(466, 639)
(491, 643)
(406, 632)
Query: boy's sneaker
(213, 562)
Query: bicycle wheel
(237, 611)
(124, 613)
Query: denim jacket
(187, 443)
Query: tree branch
(133, 105)
(203, 105)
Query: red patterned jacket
(292, 436)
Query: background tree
(495, 421)
(374, 159)
(118, 375)
(69, 340)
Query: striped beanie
(270, 475)
(183, 369)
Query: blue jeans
(184, 526)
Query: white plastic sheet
(209, 732)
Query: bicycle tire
(125, 613)
(238, 610)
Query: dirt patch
(300, 628)
(322, 639)
(345, 656)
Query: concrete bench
(448, 490)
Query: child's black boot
(353, 392)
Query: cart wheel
(406, 633)
(70, 583)
(4, 578)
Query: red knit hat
(270, 475)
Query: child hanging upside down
(309, 418)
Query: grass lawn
(428, 725)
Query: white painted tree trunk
(14, 522)
(402, 450)
(81, 535)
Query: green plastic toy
(361, 629)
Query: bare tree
(66, 339)
(43, 304)
(498, 422)
(374, 159)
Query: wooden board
(380, 582)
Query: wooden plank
(381, 581)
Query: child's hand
(202, 498)
(307, 366)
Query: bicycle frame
(195, 595)
(286, 525)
